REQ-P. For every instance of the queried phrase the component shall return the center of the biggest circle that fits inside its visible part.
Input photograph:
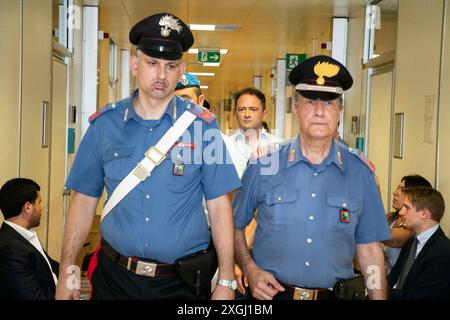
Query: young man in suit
(422, 270)
(26, 271)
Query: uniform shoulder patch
(361, 156)
(202, 113)
(101, 111)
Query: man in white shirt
(422, 270)
(26, 271)
(251, 138)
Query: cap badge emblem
(184, 80)
(169, 23)
(325, 69)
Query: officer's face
(191, 94)
(249, 112)
(318, 119)
(157, 78)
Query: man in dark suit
(26, 271)
(422, 270)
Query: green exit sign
(294, 59)
(209, 56)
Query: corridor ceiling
(268, 30)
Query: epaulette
(265, 151)
(202, 113)
(101, 111)
(361, 156)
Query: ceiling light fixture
(213, 27)
(203, 27)
(196, 50)
(205, 74)
(211, 64)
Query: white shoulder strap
(154, 156)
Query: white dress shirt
(242, 151)
(31, 237)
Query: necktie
(408, 263)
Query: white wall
(443, 181)
(417, 77)
(10, 89)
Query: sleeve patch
(101, 111)
(202, 113)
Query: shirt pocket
(118, 162)
(280, 205)
(343, 213)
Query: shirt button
(311, 217)
(147, 196)
(344, 204)
(313, 195)
(151, 129)
(116, 154)
(147, 219)
(307, 263)
(315, 174)
(146, 245)
(309, 240)
(279, 198)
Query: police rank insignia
(169, 23)
(291, 155)
(178, 168)
(344, 216)
(325, 69)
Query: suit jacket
(24, 273)
(429, 276)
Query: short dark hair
(253, 92)
(15, 193)
(426, 198)
(414, 180)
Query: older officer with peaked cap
(317, 209)
(153, 224)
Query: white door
(379, 134)
(58, 158)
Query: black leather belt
(139, 266)
(299, 293)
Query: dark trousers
(111, 281)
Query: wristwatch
(232, 284)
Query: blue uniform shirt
(310, 217)
(162, 218)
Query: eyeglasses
(249, 109)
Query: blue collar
(336, 155)
(130, 113)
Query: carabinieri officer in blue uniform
(158, 220)
(316, 209)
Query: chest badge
(178, 168)
(344, 216)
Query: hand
(241, 280)
(222, 293)
(263, 284)
(63, 292)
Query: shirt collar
(130, 113)
(262, 138)
(425, 235)
(27, 234)
(335, 155)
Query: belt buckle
(152, 152)
(146, 269)
(304, 294)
